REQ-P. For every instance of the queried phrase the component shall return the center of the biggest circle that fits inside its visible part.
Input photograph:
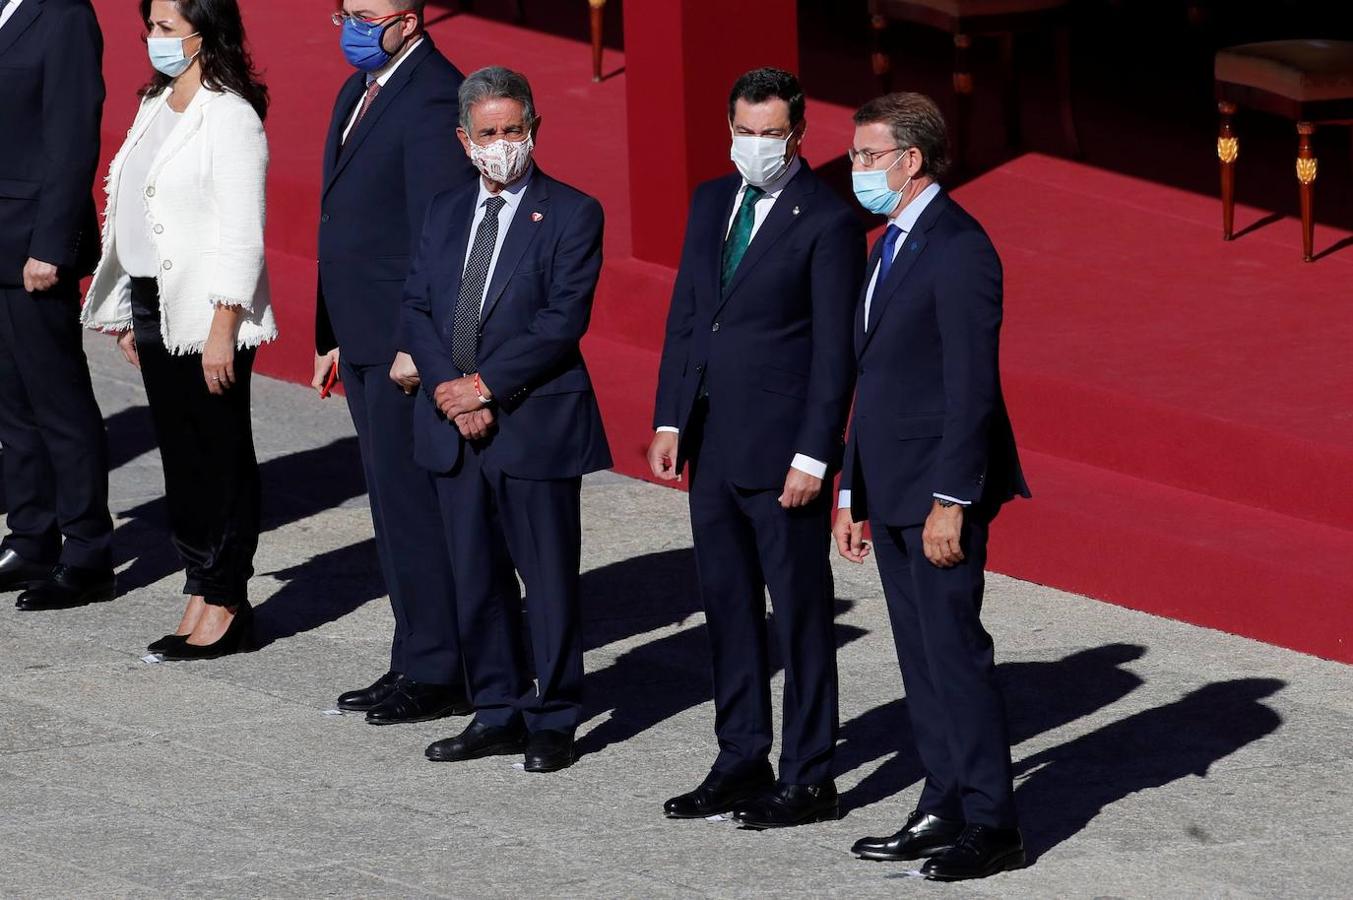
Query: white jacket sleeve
(239, 170)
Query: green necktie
(740, 235)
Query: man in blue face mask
(753, 393)
(392, 146)
(930, 460)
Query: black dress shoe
(18, 574)
(66, 587)
(719, 793)
(549, 751)
(924, 835)
(238, 638)
(367, 697)
(477, 741)
(788, 805)
(979, 851)
(163, 644)
(415, 701)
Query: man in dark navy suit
(753, 392)
(930, 460)
(391, 147)
(55, 448)
(498, 300)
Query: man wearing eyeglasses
(498, 301)
(930, 460)
(391, 147)
(753, 392)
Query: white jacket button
(158, 229)
(150, 190)
(168, 265)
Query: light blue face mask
(167, 56)
(871, 189)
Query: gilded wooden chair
(1307, 82)
(966, 19)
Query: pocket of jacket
(783, 382)
(924, 426)
(14, 189)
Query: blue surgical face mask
(167, 56)
(871, 189)
(362, 43)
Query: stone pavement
(1154, 759)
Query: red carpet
(1184, 404)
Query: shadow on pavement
(321, 590)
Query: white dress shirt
(806, 464)
(9, 11)
(382, 75)
(904, 220)
(512, 195)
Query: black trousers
(408, 529)
(55, 445)
(949, 673)
(211, 480)
(746, 542)
(493, 520)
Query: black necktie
(465, 331)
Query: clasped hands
(459, 400)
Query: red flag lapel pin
(537, 216)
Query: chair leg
(962, 99)
(1306, 169)
(1010, 90)
(1069, 131)
(598, 24)
(883, 65)
(1228, 148)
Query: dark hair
(760, 85)
(226, 64)
(413, 6)
(915, 121)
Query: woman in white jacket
(183, 284)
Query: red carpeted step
(1179, 554)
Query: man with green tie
(753, 393)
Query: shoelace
(968, 839)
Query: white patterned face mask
(503, 161)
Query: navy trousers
(745, 542)
(408, 529)
(55, 445)
(949, 674)
(493, 520)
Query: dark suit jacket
(929, 414)
(536, 310)
(775, 348)
(51, 104)
(375, 195)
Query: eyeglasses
(365, 27)
(869, 157)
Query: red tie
(368, 98)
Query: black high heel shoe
(164, 643)
(237, 638)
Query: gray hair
(495, 83)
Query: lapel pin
(796, 210)
(537, 216)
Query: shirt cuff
(843, 499)
(809, 466)
(953, 499)
(671, 429)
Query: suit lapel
(526, 224)
(784, 214)
(874, 256)
(18, 23)
(717, 234)
(913, 245)
(189, 125)
(383, 101)
(347, 101)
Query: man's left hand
(800, 489)
(457, 397)
(39, 276)
(475, 426)
(942, 535)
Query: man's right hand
(849, 535)
(324, 364)
(662, 455)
